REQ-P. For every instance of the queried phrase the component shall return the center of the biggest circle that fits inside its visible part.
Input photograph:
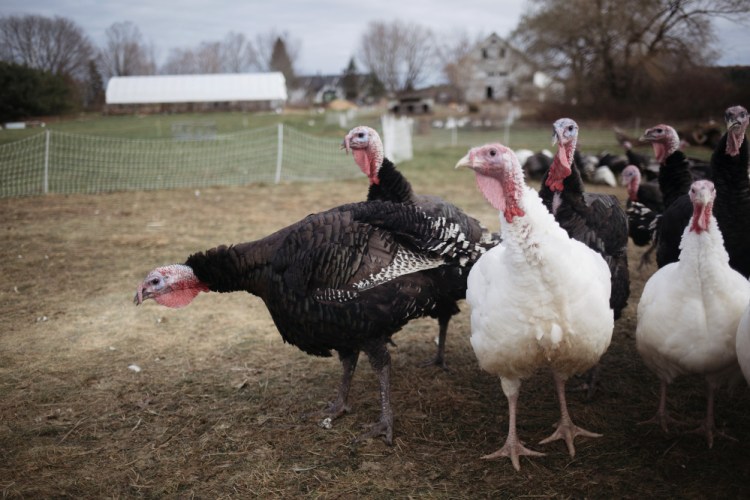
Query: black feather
(599, 221)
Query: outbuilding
(189, 93)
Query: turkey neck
(704, 253)
(730, 172)
(572, 192)
(674, 177)
(732, 204)
(393, 185)
(242, 267)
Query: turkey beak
(345, 144)
(732, 123)
(140, 295)
(466, 161)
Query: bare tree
(238, 54)
(454, 56)
(235, 54)
(57, 45)
(619, 49)
(125, 53)
(400, 54)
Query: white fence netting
(59, 162)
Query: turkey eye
(493, 152)
(659, 131)
(570, 128)
(361, 135)
(155, 281)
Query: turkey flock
(544, 290)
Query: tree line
(615, 55)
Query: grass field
(216, 410)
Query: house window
(490, 94)
(485, 55)
(502, 52)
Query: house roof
(196, 88)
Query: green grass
(160, 126)
(595, 138)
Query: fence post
(46, 162)
(279, 151)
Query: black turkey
(595, 219)
(729, 172)
(343, 280)
(644, 205)
(388, 184)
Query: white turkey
(342, 280)
(689, 311)
(538, 299)
(388, 184)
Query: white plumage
(537, 299)
(689, 310)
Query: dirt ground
(216, 410)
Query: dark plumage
(388, 184)
(644, 204)
(674, 180)
(343, 280)
(729, 172)
(595, 219)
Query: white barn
(229, 91)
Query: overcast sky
(329, 30)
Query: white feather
(538, 298)
(689, 310)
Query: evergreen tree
(350, 81)
(31, 92)
(94, 95)
(280, 61)
(374, 87)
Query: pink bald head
(702, 194)
(367, 149)
(736, 118)
(631, 179)
(499, 177)
(565, 135)
(172, 286)
(663, 139)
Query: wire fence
(60, 162)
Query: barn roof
(196, 88)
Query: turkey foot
(383, 427)
(513, 449)
(710, 431)
(340, 406)
(439, 359)
(662, 419)
(568, 431)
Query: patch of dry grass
(217, 408)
